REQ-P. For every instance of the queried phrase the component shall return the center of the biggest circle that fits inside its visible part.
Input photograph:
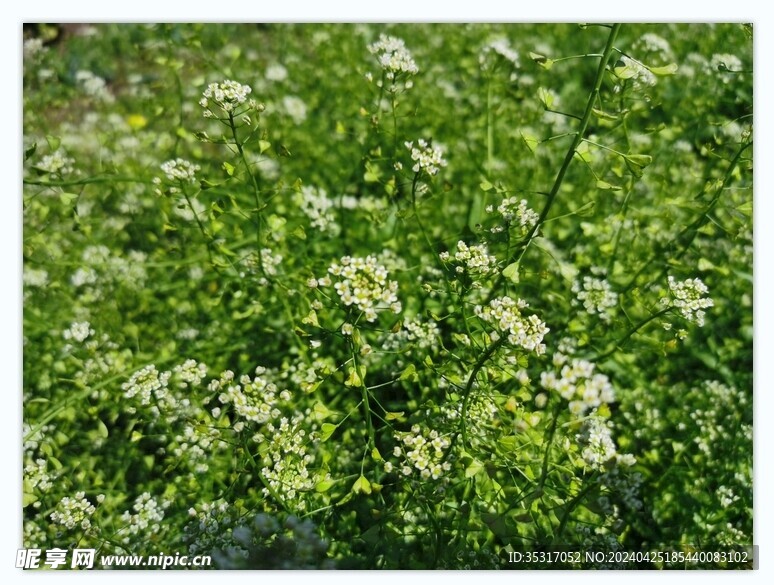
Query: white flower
(228, 95)
(688, 298)
(523, 331)
(475, 259)
(393, 55)
(180, 170)
(596, 295)
(78, 331)
(363, 283)
(426, 158)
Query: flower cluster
(688, 298)
(421, 334)
(148, 384)
(94, 85)
(180, 170)
(598, 448)
(36, 475)
(317, 206)
(596, 296)
(74, 512)
(523, 331)
(190, 373)
(640, 75)
(210, 527)
(146, 519)
(422, 451)
(578, 384)
(426, 157)
(227, 95)
(515, 213)
(501, 47)
(473, 259)
(196, 445)
(252, 399)
(362, 282)
(393, 56)
(288, 461)
(78, 331)
(56, 163)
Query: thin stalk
(579, 136)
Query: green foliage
(305, 296)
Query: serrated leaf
(326, 430)
(511, 272)
(670, 69)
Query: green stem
(632, 331)
(579, 136)
(469, 386)
(549, 444)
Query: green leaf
(585, 210)
(353, 379)
(375, 455)
(68, 198)
(28, 499)
(670, 69)
(393, 415)
(299, 233)
(327, 430)
(323, 486)
(311, 319)
(263, 146)
(229, 168)
(474, 467)
(362, 485)
(545, 97)
(30, 151)
(321, 411)
(604, 115)
(624, 71)
(541, 60)
(511, 272)
(486, 185)
(102, 429)
(637, 162)
(605, 186)
(410, 373)
(54, 142)
(531, 141)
